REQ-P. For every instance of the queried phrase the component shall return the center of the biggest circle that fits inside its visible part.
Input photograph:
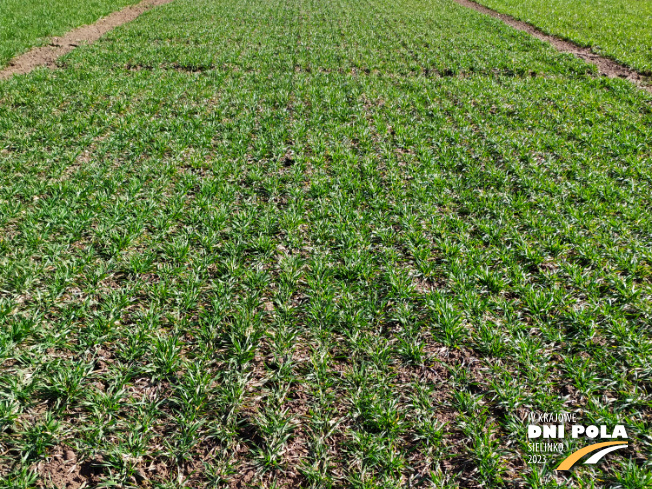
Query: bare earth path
(606, 66)
(47, 55)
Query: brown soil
(48, 55)
(62, 469)
(606, 66)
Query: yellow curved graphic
(575, 456)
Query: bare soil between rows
(48, 55)
(606, 67)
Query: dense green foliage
(321, 244)
(618, 29)
(28, 23)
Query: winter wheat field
(322, 244)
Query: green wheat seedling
(321, 245)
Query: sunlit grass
(320, 244)
(28, 23)
(618, 29)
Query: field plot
(320, 244)
(618, 29)
(27, 23)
